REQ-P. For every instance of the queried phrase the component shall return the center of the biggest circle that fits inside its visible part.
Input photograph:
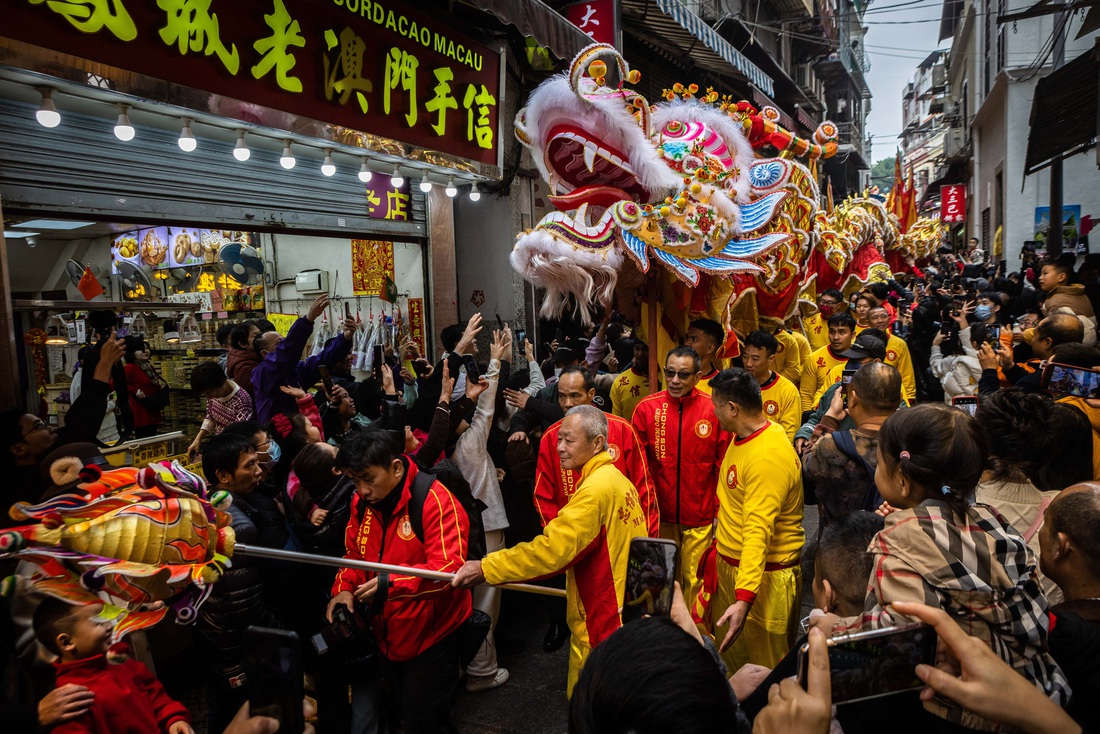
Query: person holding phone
(589, 539)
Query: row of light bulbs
(48, 116)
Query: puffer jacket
(959, 373)
(239, 365)
(684, 446)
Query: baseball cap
(870, 343)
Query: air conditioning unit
(311, 281)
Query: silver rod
(285, 555)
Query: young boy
(226, 402)
(128, 699)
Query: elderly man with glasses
(684, 446)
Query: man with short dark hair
(782, 403)
(589, 538)
(842, 329)
(706, 337)
(417, 627)
(759, 535)
(684, 447)
(841, 466)
(817, 326)
(1069, 543)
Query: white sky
(895, 51)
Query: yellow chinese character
(92, 16)
(373, 201)
(350, 65)
(192, 26)
(481, 128)
(401, 71)
(275, 49)
(396, 204)
(442, 101)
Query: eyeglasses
(827, 302)
(39, 425)
(669, 374)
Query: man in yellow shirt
(897, 352)
(589, 539)
(631, 385)
(706, 337)
(759, 535)
(814, 373)
(869, 346)
(817, 326)
(782, 403)
(788, 356)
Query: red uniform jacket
(418, 613)
(554, 485)
(136, 379)
(128, 698)
(684, 446)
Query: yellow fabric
(858, 328)
(1094, 418)
(628, 390)
(788, 358)
(771, 627)
(578, 653)
(605, 503)
(783, 405)
(760, 504)
(804, 351)
(817, 331)
(704, 384)
(814, 375)
(897, 354)
(692, 542)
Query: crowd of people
(953, 484)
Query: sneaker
(479, 683)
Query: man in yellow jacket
(759, 536)
(589, 539)
(842, 328)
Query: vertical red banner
(596, 18)
(953, 203)
(416, 323)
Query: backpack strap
(1030, 532)
(418, 495)
(847, 446)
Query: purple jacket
(282, 367)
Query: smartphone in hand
(1065, 379)
(275, 676)
(472, 372)
(650, 575)
(967, 403)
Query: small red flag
(88, 286)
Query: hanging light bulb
(287, 160)
(365, 172)
(171, 332)
(397, 180)
(328, 168)
(475, 195)
(451, 190)
(57, 331)
(187, 138)
(124, 131)
(425, 184)
(47, 114)
(241, 151)
(137, 326)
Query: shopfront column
(9, 369)
(442, 270)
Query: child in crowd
(939, 549)
(292, 432)
(128, 698)
(226, 402)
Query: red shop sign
(953, 203)
(596, 18)
(377, 67)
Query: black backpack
(448, 474)
(871, 497)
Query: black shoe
(555, 637)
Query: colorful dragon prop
(677, 183)
(128, 538)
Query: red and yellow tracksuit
(782, 403)
(589, 539)
(627, 391)
(817, 331)
(554, 486)
(814, 374)
(684, 446)
(759, 542)
(417, 613)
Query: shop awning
(538, 20)
(675, 24)
(1064, 112)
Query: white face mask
(557, 372)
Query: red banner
(596, 18)
(953, 203)
(377, 67)
(416, 323)
(371, 264)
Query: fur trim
(564, 270)
(66, 470)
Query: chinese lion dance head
(677, 183)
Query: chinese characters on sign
(380, 68)
(416, 323)
(596, 18)
(371, 264)
(952, 203)
(386, 202)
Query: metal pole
(1054, 236)
(253, 551)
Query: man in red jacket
(684, 446)
(419, 618)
